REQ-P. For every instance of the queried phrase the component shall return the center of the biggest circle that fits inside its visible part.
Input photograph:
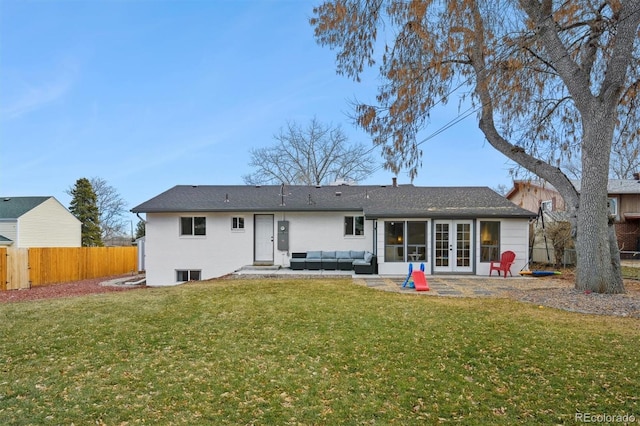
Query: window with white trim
(237, 223)
(546, 205)
(489, 241)
(354, 225)
(193, 226)
(405, 241)
(183, 275)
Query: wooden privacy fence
(35, 267)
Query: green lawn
(309, 352)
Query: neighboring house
(200, 232)
(37, 222)
(624, 205)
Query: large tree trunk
(598, 257)
(598, 268)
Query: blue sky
(150, 94)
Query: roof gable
(374, 201)
(14, 207)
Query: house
(199, 232)
(624, 205)
(37, 222)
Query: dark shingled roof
(375, 201)
(14, 207)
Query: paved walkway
(463, 286)
(439, 285)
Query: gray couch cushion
(368, 256)
(328, 254)
(314, 255)
(355, 254)
(343, 254)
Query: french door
(453, 246)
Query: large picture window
(489, 241)
(354, 225)
(405, 241)
(193, 226)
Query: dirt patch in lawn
(71, 289)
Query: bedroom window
(354, 225)
(489, 241)
(237, 223)
(193, 226)
(187, 275)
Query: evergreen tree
(140, 230)
(84, 206)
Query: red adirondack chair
(506, 260)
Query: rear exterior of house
(37, 222)
(200, 232)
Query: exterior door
(453, 246)
(263, 239)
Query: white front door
(452, 246)
(263, 239)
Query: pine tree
(140, 230)
(84, 206)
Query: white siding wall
(514, 236)
(219, 252)
(323, 231)
(9, 229)
(49, 224)
(223, 251)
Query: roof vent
(338, 193)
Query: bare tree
(314, 155)
(544, 77)
(625, 155)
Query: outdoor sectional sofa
(362, 262)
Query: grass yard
(631, 272)
(309, 352)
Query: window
(547, 205)
(417, 241)
(394, 241)
(612, 204)
(489, 241)
(354, 225)
(187, 275)
(237, 223)
(193, 226)
(405, 237)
